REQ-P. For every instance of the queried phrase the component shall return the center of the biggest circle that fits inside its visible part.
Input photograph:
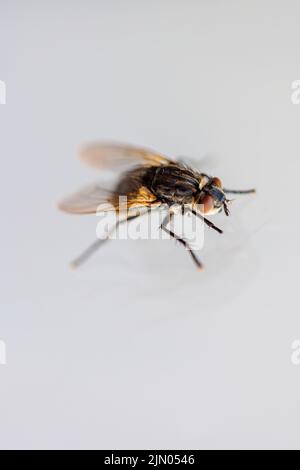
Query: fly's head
(212, 196)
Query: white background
(137, 349)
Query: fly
(152, 180)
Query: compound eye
(208, 203)
(217, 182)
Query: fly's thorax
(174, 184)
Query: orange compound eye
(208, 203)
(217, 182)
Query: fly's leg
(239, 191)
(98, 243)
(163, 226)
(206, 221)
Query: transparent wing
(94, 199)
(89, 200)
(108, 155)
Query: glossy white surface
(138, 349)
